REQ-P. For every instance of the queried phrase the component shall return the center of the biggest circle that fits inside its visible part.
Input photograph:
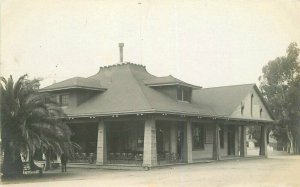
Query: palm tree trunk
(12, 164)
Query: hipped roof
(128, 91)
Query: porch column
(101, 144)
(243, 142)
(263, 150)
(150, 153)
(236, 141)
(188, 142)
(216, 143)
(173, 138)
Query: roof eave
(72, 87)
(169, 113)
(173, 84)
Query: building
(125, 115)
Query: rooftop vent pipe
(121, 45)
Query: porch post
(236, 141)
(173, 138)
(150, 153)
(188, 142)
(216, 143)
(263, 150)
(101, 144)
(243, 142)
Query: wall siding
(257, 103)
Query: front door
(231, 140)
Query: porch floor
(130, 166)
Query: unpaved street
(274, 171)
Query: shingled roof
(75, 83)
(166, 81)
(129, 91)
(222, 100)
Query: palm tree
(29, 121)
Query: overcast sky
(207, 43)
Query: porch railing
(137, 158)
(84, 158)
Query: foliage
(29, 121)
(280, 84)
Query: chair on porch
(138, 158)
(174, 157)
(111, 157)
(117, 157)
(129, 157)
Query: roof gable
(259, 109)
(222, 100)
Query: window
(140, 138)
(221, 132)
(260, 112)
(251, 105)
(198, 132)
(184, 93)
(64, 100)
(242, 108)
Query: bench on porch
(128, 157)
(29, 170)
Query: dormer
(173, 87)
(74, 91)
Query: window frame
(251, 105)
(201, 135)
(140, 138)
(184, 93)
(67, 99)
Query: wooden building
(125, 115)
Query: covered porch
(156, 140)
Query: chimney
(121, 45)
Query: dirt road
(275, 171)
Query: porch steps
(241, 158)
(82, 165)
(203, 161)
(123, 167)
(107, 166)
(161, 165)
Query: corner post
(236, 140)
(263, 150)
(188, 152)
(150, 153)
(216, 143)
(243, 142)
(101, 144)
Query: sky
(206, 43)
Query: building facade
(125, 115)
